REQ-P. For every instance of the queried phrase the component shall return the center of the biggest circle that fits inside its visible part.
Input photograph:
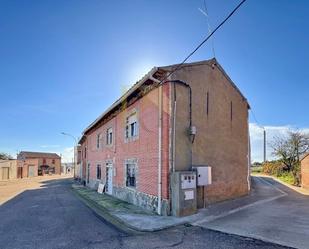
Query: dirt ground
(11, 188)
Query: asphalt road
(284, 220)
(53, 217)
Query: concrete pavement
(283, 220)
(53, 217)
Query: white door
(109, 178)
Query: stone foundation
(148, 202)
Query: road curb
(106, 215)
(116, 221)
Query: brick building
(197, 116)
(31, 164)
(305, 171)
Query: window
(85, 154)
(131, 126)
(99, 137)
(53, 161)
(131, 171)
(99, 171)
(44, 161)
(109, 136)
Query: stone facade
(218, 111)
(305, 172)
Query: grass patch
(287, 177)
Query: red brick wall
(305, 172)
(144, 148)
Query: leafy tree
(5, 156)
(289, 149)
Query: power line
(205, 40)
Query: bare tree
(289, 149)
(5, 156)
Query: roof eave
(120, 100)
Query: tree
(289, 149)
(5, 156)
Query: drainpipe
(249, 159)
(174, 130)
(159, 145)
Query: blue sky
(63, 62)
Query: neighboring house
(37, 163)
(196, 117)
(78, 169)
(67, 168)
(305, 171)
(8, 169)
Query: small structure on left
(30, 164)
(8, 169)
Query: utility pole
(264, 132)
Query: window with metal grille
(131, 174)
(99, 172)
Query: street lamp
(75, 145)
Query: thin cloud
(50, 146)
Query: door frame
(88, 173)
(109, 178)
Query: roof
(31, 154)
(304, 156)
(139, 83)
(210, 62)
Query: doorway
(30, 170)
(109, 179)
(5, 173)
(88, 173)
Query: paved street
(284, 220)
(52, 217)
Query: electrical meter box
(183, 185)
(203, 175)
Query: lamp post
(75, 145)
